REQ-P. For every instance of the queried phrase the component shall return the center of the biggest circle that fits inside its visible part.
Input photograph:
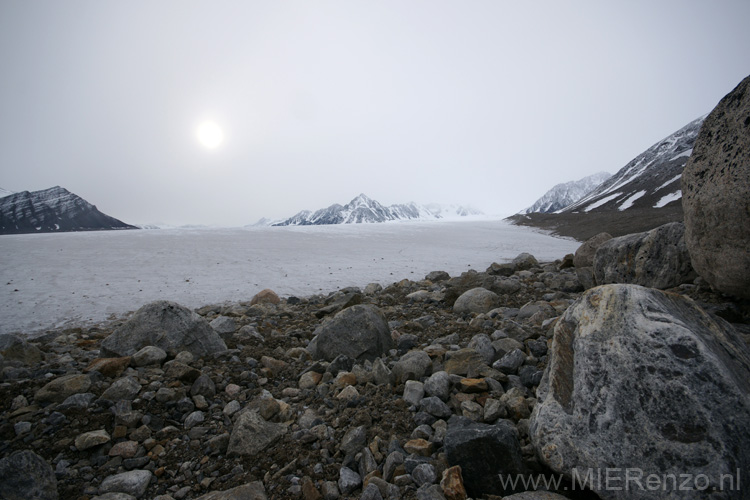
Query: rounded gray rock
(360, 332)
(476, 300)
(167, 325)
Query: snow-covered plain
(57, 280)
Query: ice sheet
(67, 279)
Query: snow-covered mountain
(650, 180)
(52, 210)
(363, 209)
(5, 192)
(562, 195)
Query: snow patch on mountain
(665, 200)
(365, 210)
(562, 195)
(646, 180)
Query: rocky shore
(620, 372)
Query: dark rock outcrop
(583, 260)
(52, 210)
(639, 378)
(484, 452)
(716, 195)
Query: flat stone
(92, 438)
(134, 482)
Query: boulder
(476, 300)
(249, 491)
(655, 259)
(485, 454)
(167, 325)
(583, 260)
(24, 475)
(251, 434)
(643, 379)
(524, 261)
(716, 195)
(224, 325)
(455, 287)
(14, 348)
(149, 355)
(266, 296)
(361, 332)
(123, 388)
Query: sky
(481, 103)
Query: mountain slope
(5, 192)
(52, 210)
(650, 180)
(562, 195)
(363, 209)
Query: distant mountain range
(363, 209)
(642, 195)
(51, 210)
(650, 180)
(563, 195)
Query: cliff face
(52, 210)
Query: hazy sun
(210, 135)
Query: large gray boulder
(583, 260)
(655, 259)
(644, 380)
(167, 325)
(24, 475)
(716, 195)
(360, 332)
(489, 455)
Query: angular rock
(412, 366)
(483, 345)
(424, 474)
(109, 367)
(510, 362)
(438, 384)
(361, 332)
(251, 434)
(203, 386)
(14, 348)
(348, 480)
(25, 475)
(452, 484)
(167, 325)
(716, 195)
(249, 491)
(655, 259)
(60, 388)
(463, 362)
(134, 482)
(642, 378)
(224, 325)
(381, 374)
(484, 453)
(123, 388)
(92, 438)
(437, 276)
(476, 300)
(149, 355)
(524, 261)
(435, 406)
(413, 392)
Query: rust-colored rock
(453, 484)
(109, 367)
(266, 296)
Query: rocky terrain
(52, 210)
(618, 372)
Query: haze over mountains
(363, 209)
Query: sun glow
(210, 135)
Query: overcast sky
(485, 103)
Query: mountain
(363, 209)
(52, 210)
(5, 192)
(562, 195)
(650, 180)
